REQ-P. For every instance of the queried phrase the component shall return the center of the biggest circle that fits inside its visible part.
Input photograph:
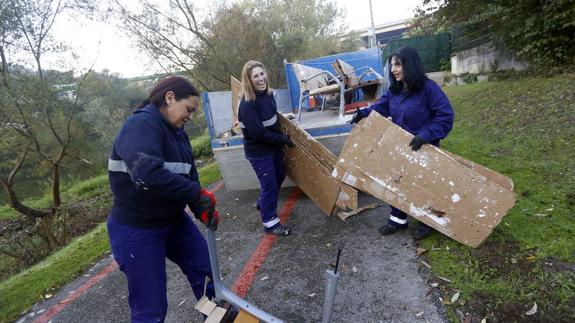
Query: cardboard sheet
(309, 165)
(457, 197)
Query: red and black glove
(206, 212)
(209, 194)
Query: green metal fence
(434, 50)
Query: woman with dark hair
(263, 142)
(419, 106)
(153, 177)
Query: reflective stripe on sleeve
(174, 167)
(265, 123)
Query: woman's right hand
(356, 117)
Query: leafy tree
(211, 48)
(538, 31)
(38, 108)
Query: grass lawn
(20, 292)
(524, 129)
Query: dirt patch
(500, 258)
(20, 243)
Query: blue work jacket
(427, 113)
(152, 171)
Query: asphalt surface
(382, 280)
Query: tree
(38, 108)
(538, 31)
(211, 48)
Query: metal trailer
(327, 126)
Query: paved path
(381, 278)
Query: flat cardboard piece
(216, 316)
(236, 86)
(245, 317)
(459, 198)
(205, 305)
(309, 164)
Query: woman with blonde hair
(263, 142)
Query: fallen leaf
(434, 284)
(420, 251)
(533, 310)
(419, 314)
(402, 306)
(425, 264)
(460, 315)
(264, 278)
(354, 269)
(530, 257)
(445, 279)
(311, 295)
(328, 244)
(48, 296)
(455, 297)
(513, 260)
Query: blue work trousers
(270, 170)
(141, 254)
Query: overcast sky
(107, 48)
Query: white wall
(482, 59)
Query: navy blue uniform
(427, 114)
(263, 148)
(153, 177)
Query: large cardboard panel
(309, 165)
(457, 197)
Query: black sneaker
(388, 229)
(279, 230)
(422, 232)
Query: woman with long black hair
(419, 106)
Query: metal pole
(331, 279)
(223, 293)
(371, 31)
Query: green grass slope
(524, 129)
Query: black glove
(356, 117)
(286, 140)
(416, 143)
(205, 211)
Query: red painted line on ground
(246, 278)
(218, 186)
(49, 314)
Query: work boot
(422, 232)
(388, 229)
(279, 230)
